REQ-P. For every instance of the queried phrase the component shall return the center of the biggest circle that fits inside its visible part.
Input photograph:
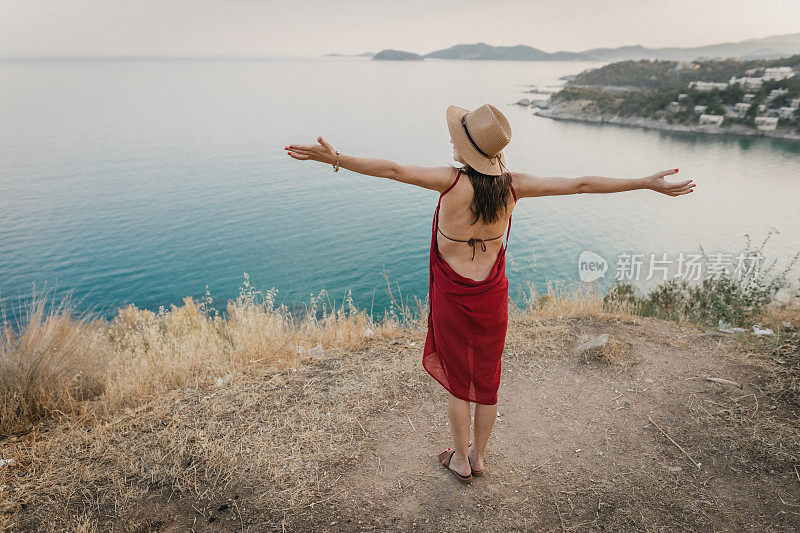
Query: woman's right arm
(527, 185)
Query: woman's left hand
(324, 152)
(657, 183)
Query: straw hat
(480, 136)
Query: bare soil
(574, 448)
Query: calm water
(146, 181)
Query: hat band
(464, 123)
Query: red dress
(467, 324)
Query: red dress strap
(452, 185)
(510, 216)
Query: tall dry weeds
(50, 360)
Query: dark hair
(490, 194)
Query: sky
(311, 27)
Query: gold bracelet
(336, 165)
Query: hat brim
(466, 150)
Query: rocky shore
(574, 110)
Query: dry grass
(49, 362)
(185, 401)
(615, 353)
(183, 405)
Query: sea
(144, 181)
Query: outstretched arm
(531, 185)
(435, 178)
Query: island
(746, 97)
(519, 52)
(396, 55)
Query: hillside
(752, 97)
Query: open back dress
(467, 323)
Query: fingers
(680, 191)
(667, 172)
(324, 143)
(679, 184)
(296, 155)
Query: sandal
(444, 459)
(476, 473)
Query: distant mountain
(509, 53)
(396, 55)
(763, 48)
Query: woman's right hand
(657, 183)
(323, 152)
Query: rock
(7, 462)
(316, 351)
(368, 332)
(593, 345)
(223, 380)
(524, 102)
(757, 330)
(788, 326)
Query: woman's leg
(458, 410)
(485, 416)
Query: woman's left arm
(531, 185)
(435, 178)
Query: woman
(468, 293)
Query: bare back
(455, 220)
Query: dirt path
(574, 448)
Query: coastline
(561, 111)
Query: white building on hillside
(674, 107)
(711, 119)
(747, 98)
(741, 108)
(774, 93)
(700, 108)
(766, 123)
(706, 86)
(786, 112)
(778, 73)
(746, 81)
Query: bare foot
(477, 462)
(460, 464)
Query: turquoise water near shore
(146, 181)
